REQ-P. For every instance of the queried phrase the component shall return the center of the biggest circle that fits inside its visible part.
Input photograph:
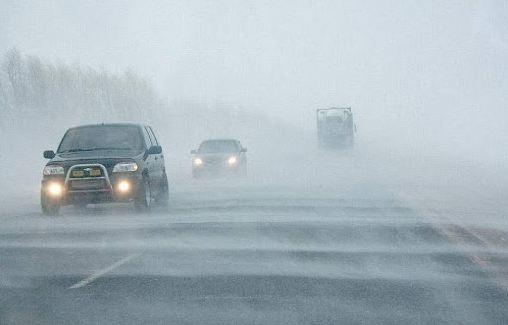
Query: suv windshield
(218, 146)
(105, 137)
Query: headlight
(55, 189)
(123, 186)
(198, 161)
(125, 167)
(232, 160)
(53, 170)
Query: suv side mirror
(244, 150)
(193, 152)
(49, 154)
(155, 150)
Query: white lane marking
(436, 218)
(102, 272)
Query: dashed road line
(436, 218)
(102, 272)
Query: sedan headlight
(53, 170)
(198, 162)
(125, 167)
(232, 160)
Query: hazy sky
(414, 63)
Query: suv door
(160, 157)
(157, 170)
(151, 163)
(243, 156)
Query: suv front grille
(88, 184)
(87, 177)
(86, 172)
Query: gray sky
(408, 63)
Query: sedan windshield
(101, 138)
(218, 146)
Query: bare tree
(34, 93)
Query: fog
(419, 75)
(427, 84)
(426, 80)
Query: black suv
(105, 163)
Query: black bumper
(107, 193)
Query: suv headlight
(53, 170)
(125, 167)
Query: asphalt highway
(254, 253)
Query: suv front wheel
(162, 198)
(50, 207)
(143, 200)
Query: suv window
(148, 140)
(97, 137)
(153, 137)
(150, 135)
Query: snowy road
(253, 253)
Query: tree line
(33, 91)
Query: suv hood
(108, 158)
(96, 154)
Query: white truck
(335, 127)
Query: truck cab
(335, 127)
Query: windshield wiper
(110, 148)
(76, 150)
(93, 149)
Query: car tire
(163, 195)
(143, 200)
(242, 171)
(351, 142)
(81, 206)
